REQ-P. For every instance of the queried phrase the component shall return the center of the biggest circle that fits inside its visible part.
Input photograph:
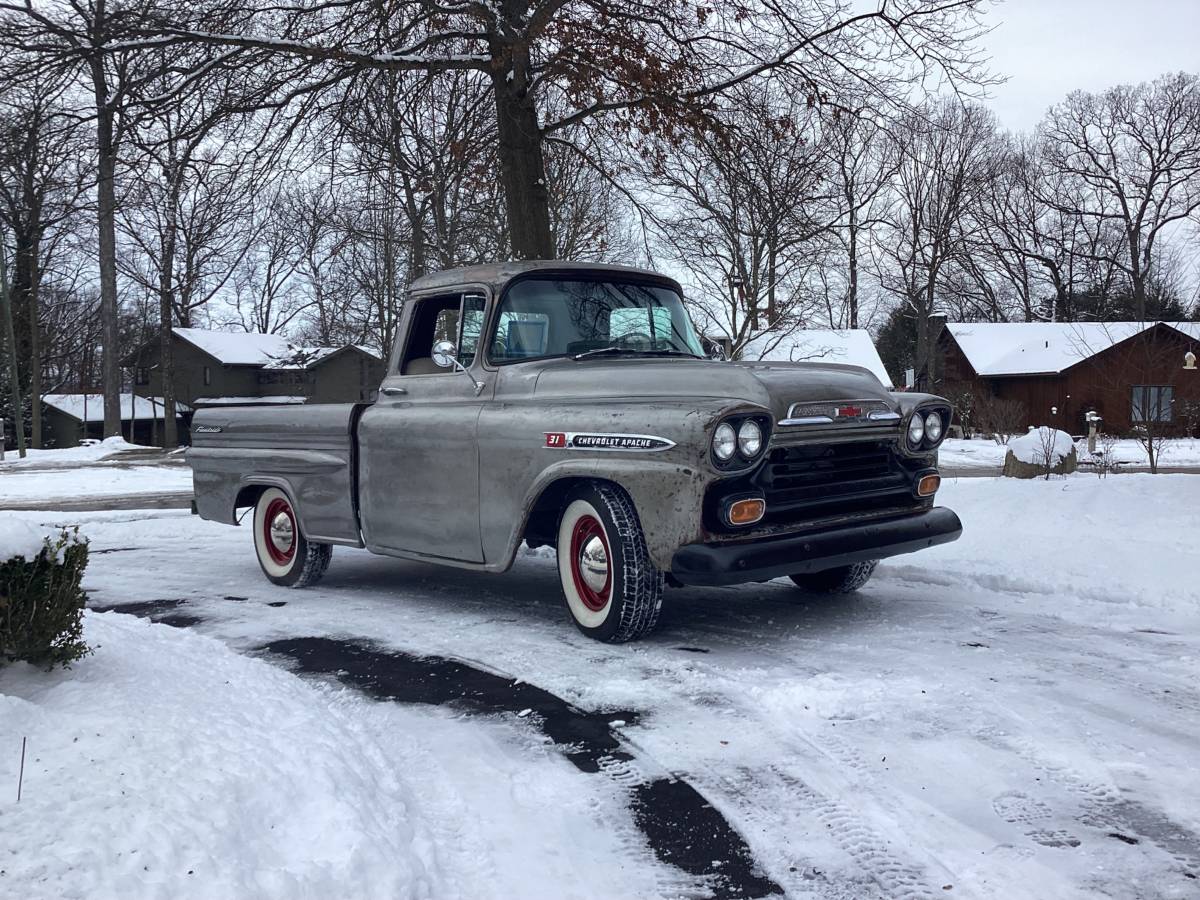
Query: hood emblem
(628, 443)
(840, 412)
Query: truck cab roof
(498, 274)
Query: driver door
(418, 444)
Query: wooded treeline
(293, 168)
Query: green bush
(41, 604)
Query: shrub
(41, 601)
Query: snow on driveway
(1013, 715)
(93, 481)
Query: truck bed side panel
(308, 451)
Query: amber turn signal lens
(746, 512)
(928, 485)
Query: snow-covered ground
(93, 481)
(1012, 715)
(1176, 452)
(82, 454)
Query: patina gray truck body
(460, 467)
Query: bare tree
(42, 162)
(1131, 157)
(942, 170)
(629, 65)
(745, 208)
(862, 171)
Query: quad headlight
(933, 427)
(724, 442)
(916, 431)
(739, 440)
(926, 428)
(749, 439)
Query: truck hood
(774, 385)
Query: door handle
(394, 391)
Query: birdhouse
(1189, 360)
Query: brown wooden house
(1128, 372)
(221, 368)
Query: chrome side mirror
(445, 354)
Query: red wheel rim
(587, 528)
(273, 537)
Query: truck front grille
(812, 481)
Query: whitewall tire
(286, 557)
(611, 589)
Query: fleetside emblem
(207, 429)
(629, 443)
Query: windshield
(541, 317)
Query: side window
(457, 318)
(472, 328)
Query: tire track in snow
(898, 880)
(678, 825)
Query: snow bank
(1097, 550)
(89, 452)
(167, 761)
(1032, 447)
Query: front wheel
(611, 588)
(287, 558)
(842, 580)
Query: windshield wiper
(612, 351)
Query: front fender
(669, 498)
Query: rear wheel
(842, 580)
(285, 556)
(611, 588)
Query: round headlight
(749, 439)
(724, 441)
(933, 427)
(916, 431)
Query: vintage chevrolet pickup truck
(571, 405)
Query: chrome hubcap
(593, 564)
(282, 533)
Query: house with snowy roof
(69, 418)
(1127, 372)
(850, 346)
(227, 368)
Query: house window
(142, 375)
(1152, 403)
(207, 376)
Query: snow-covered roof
(237, 348)
(74, 405)
(1028, 348)
(247, 401)
(301, 357)
(251, 348)
(851, 346)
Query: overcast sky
(1051, 47)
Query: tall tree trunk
(1138, 275)
(10, 340)
(522, 169)
(852, 254)
(166, 358)
(35, 356)
(106, 202)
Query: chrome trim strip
(806, 420)
(883, 415)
